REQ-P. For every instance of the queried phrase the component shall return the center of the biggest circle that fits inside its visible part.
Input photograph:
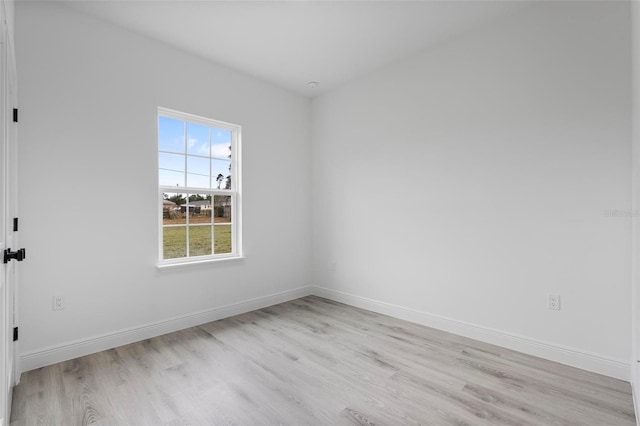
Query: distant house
(168, 204)
(169, 209)
(203, 204)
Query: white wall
(470, 181)
(466, 184)
(635, 43)
(88, 181)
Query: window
(199, 188)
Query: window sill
(194, 263)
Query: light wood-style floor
(316, 362)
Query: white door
(4, 395)
(8, 211)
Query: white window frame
(234, 192)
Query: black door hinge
(15, 224)
(15, 115)
(15, 334)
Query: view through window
(198, 165)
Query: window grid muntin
(235, 153)
(198, 191)
(211, 124)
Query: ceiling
(290, 43)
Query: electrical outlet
(554, 302)
(58, 303)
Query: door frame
(9, 365)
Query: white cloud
(220, 150)
(194, 146)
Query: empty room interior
(320, 212)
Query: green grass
(199, 240)
(175, 240)
(222, 238)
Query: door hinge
(15, 224)
(15, 115)
(15, 334)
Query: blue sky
(206, 148)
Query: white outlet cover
(554, 302)
(58, 303)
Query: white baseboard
(596, 363)
(570, 356)
(70, 350)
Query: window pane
(174, 209)
(197, 139)
(171, 169)
(222, 238)
(199, 240)
(197, 172)
(220, 143)
(196, 168)
(200, 208)
(168, 178)
(174, 242)
(171, 134)
(222, 208)
(221, 174)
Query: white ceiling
(290, 43)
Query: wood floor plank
(313, 361)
